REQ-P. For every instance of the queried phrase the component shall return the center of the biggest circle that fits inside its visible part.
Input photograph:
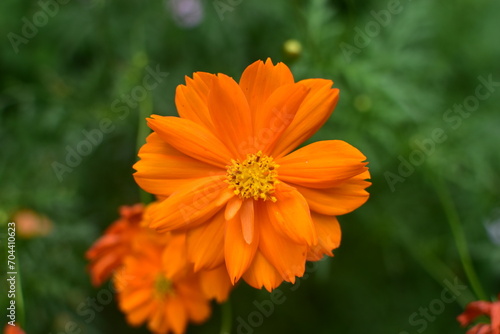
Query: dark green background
(397, 250)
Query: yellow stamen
(163, 286)
(253, 178)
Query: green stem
(459, 236)
(227, 318)
(19, 296)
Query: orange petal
(158, 322)
(215, 283)
(323, 164)
(286, 256)
(277, 113)
(136, 299)
(329, 235)
(312, 114)
(474, 310)
(483, 328)
(205, 243)
(290, 215)
(198, 310)
(232, 207)
(141, 314)
(102, 268)
(176, 315)
(339, 200)
(237, 252)
(230, 114)
(260, 80)
(191, 139)
(197, 307)
(162, 168)
(192, 99)
(174, 256)
(191, 205)
(247, 220)
(262, 274)
(495, 317)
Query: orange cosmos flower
(155, 285)
(16, 329)
(478, 308)
(232, 182)
(30, 224)
(107, 253)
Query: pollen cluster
(253, 178)
(163, 286)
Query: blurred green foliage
(396, 88)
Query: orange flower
(155, 285)
(9, 329)
(478, 308)
(107, 253)
(231, 180)
(30, 224)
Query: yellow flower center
(253, 178)
(163, 286)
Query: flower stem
(459, 236)
(227, 320)
(20, 297)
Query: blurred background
(420, 90)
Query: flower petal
(262, 274)
(163, 169)
(323, 164)
(481, 329)
(313, 113)
(158, 321)
(140, 314)
(191, 139)
(277, 113)
(197, 306)
(215, 283)
(329, 235)
(286, 256)
(191, 205)
(191, 99)
(474, 310)
(495, 317)
(260, 80)
(174, 257)
(237, 252)
(290, 215)
(230, 114)
(176, 315)
(232, 207)
(339, 200)
(247, 220)
(205, 243)
(136, 299)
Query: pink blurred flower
(187, 13)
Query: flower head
(478, 308)
(30, 224)
(13, 329)
(155, 286)
(231, 181)
(155, 282)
